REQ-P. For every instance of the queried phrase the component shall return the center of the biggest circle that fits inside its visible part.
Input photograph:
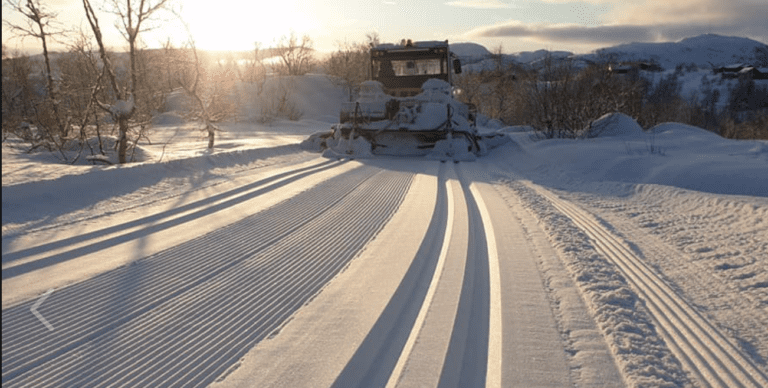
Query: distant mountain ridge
(469, 50)
(704, 51)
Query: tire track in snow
(704, 351)
(178, 322)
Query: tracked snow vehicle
(407, 107)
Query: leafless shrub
(348, 66)
(18, 96)
(296, 54)
(754, 127)
(278, 102)
(255, 70)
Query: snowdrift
(669, 154)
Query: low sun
(235, 25)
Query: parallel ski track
(467, 359)
(185, 315)
(377, 363)
(375, 359)
(704, 351)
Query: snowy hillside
(469, 51)
(705, 51)
(532, 57)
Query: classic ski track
(380, 358)
(138, 340)
(495, 335)
(447, 206)
(466, 361)
(468, 340)
(728, 292)
(705, 352)
(466, 347)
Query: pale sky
(517, 25)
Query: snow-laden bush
(613, 124)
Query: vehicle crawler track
(700, 346)
(185, 315)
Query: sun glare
(236, 25)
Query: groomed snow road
(182, 316)
(347, 273)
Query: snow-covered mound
(614, 124)
(357, 148)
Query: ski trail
(495, 337)
(379, 359)
(703, 350)
(182, 317)
(524, 347)
(466, 360)
(427, 357)
(449, 343)
(27, 260)
(416, 328)
(181, 263)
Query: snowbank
(614, 124)
(670, 154)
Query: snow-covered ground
(632, 259)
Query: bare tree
(189, 78)
(501, 79)
(296, 55)
(132, 20)
(39, 25)
(348, 66)
(372, 39)
(81, 78)
(255, 71)
(18, 94)
(550, 102)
